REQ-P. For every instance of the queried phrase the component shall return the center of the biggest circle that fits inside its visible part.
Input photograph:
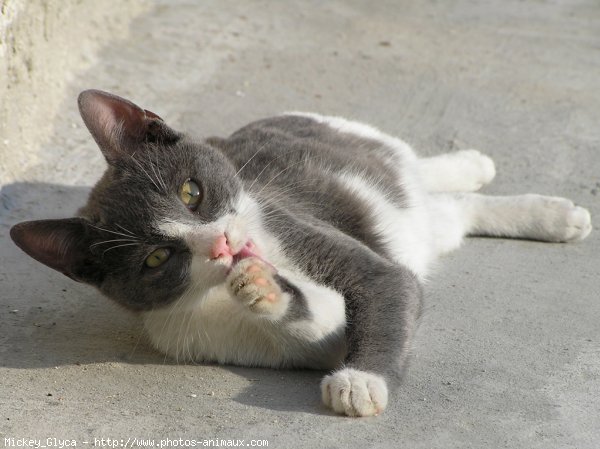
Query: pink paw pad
(261, 282)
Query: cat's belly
(405, 230)
(217, 329)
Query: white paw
(476, 169)
(354, 393)
(559, 220)
(252, 283)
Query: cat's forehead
(146, 188)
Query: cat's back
(315, 148)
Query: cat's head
(166, 217)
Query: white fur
(214, 328)
(531, 216)
(405, 231)
(208, 324)
(355, 393)
(327, 308)
(462, 171)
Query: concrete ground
(508, 351)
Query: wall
(42, 43)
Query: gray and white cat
(299, 241)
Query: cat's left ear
(119, 126)
(63, 245)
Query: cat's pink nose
(221, 248)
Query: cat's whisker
(263, 169)
(160, 176)
(138, 340)
(123, 228)
(270, 197)
(156, 170)
(287, 191)
(251, 157)
(303, 160)
(166, 324)
(111, 241)
(287, 187)
(259, 174)
(156, 177)
(120, 246)
(298, 207)
(112, 232)
(166, 321)
(182, 336)
(186, 334)
(144, 170)
(173, 313)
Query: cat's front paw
(252, 282)
(355, 393)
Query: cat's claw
(251, 281)
(354, 393)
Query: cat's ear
(63, 245)
(119, 126)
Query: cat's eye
(190, 194)
(158, 257)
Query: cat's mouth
(248, 250)
(231, 259)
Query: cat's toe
(251, 281)
(354, 393)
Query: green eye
(157, 257)
(190, 194)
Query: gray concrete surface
(508, 351)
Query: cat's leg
(382, 307)
(381, 303)
(462, 171)
(529, 216)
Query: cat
(300, 241)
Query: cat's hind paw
(461, 171)
(476, 170)
(251, 281)
(559, 220)
(354, 393)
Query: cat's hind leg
(530, 216)
(461, 171)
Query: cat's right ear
(119, 126)
(63, 245)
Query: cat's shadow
(48, 320)
(281, 390)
